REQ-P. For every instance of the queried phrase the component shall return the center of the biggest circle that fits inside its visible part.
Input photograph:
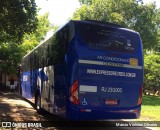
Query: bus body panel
(50, 83)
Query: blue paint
(90, 46)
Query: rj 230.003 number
(111, 90)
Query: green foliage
(17, 17)
(32, 40)
(10, 57)
(88, 2)
(132, 14)
(11, 53)
(151, 70)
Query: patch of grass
(151, 108)
(151, 100)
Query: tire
(38, 104)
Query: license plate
(111, 102)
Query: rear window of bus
(107, 38)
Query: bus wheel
(38, 104)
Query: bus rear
(107, 75)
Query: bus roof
(106, 24)
(102, 23)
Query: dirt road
(14, 108)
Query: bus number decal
(111, 90)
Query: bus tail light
(74, 93)
(140, 95)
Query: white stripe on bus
(108, 64)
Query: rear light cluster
(140, 95)
(74, 93)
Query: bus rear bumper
(101, 114)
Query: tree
(10, 57)
(132, 14)
(88, 2)
(11, 53)
(152, 69)
(17, 17)
(32, 40)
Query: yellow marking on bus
(133, 61)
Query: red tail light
(140, 95)
(74, 93)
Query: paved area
(15, 108)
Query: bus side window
(39, 56)
(60, 47)
(22, 65)
(53, 50)
(57, 46)
(36, 59)
(45, 48)
(42, 56)
(63, 43)
(65, 38)
(48, 53)
(27, 63)
(71, 32)
(34, 63)
(31, 61)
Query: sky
(61, 10)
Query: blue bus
(88, 70)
